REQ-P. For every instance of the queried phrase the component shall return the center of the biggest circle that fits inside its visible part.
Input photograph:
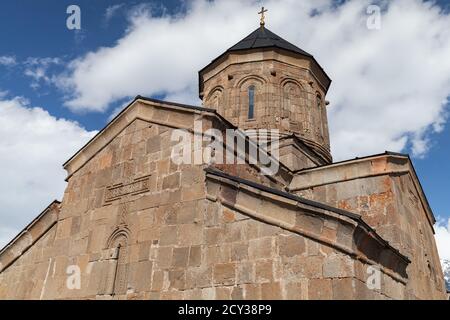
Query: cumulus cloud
(442, 229)
(390, 85)
(7, 60)
(37, 69)
(31, 156)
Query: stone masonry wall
(140, 227)
(391, 204)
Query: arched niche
(215, 98)
(293, 103)
(319, 117)
(117, 277)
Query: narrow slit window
(319, 101)
(251, 102)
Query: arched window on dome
(251, 102)
(319, 101)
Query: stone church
(135, 225)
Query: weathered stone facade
(136, 225)
(385, 190)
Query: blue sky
(37, 30)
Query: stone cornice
(30, 235)
(151, 111)
(136, 109)
(306, 217)
(388, 163)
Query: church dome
(266, 82)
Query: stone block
(246, 272)
(234, 232)
(168, 235)
(338, 266)
(149, 234)
(320, 289)
(239, 251)
(208, 293)
(192, 175)
(162, 166)
(177, 279)
(293, 290)
(252, 291)
(264, 271)
(291, 245)
(362, 292)
(267, 230)
(64, 228)
(180, 257)
(271, 291)
(194, 294)
(193, 192)
(164, 258)
(228, 215)
(260, 248)
(199, 277)
(143, 277)
(214, 235)
(190, 234)
(237, 293)
(223, 293)
(148, 201)
(171, 181)
(158, 280)
(195, 256)
(75, 227)
(343, 289)
(225, 273)
(190, 212)
(153, 144)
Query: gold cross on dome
(262, 15)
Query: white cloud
(389, 86)
(44, 62)
(7, 60)
(111, 11)
(34, 147)
(442, 236)
(37, 69)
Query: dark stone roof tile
(264, 38)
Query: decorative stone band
(307, 218)
(117, 191)
(30, 235)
